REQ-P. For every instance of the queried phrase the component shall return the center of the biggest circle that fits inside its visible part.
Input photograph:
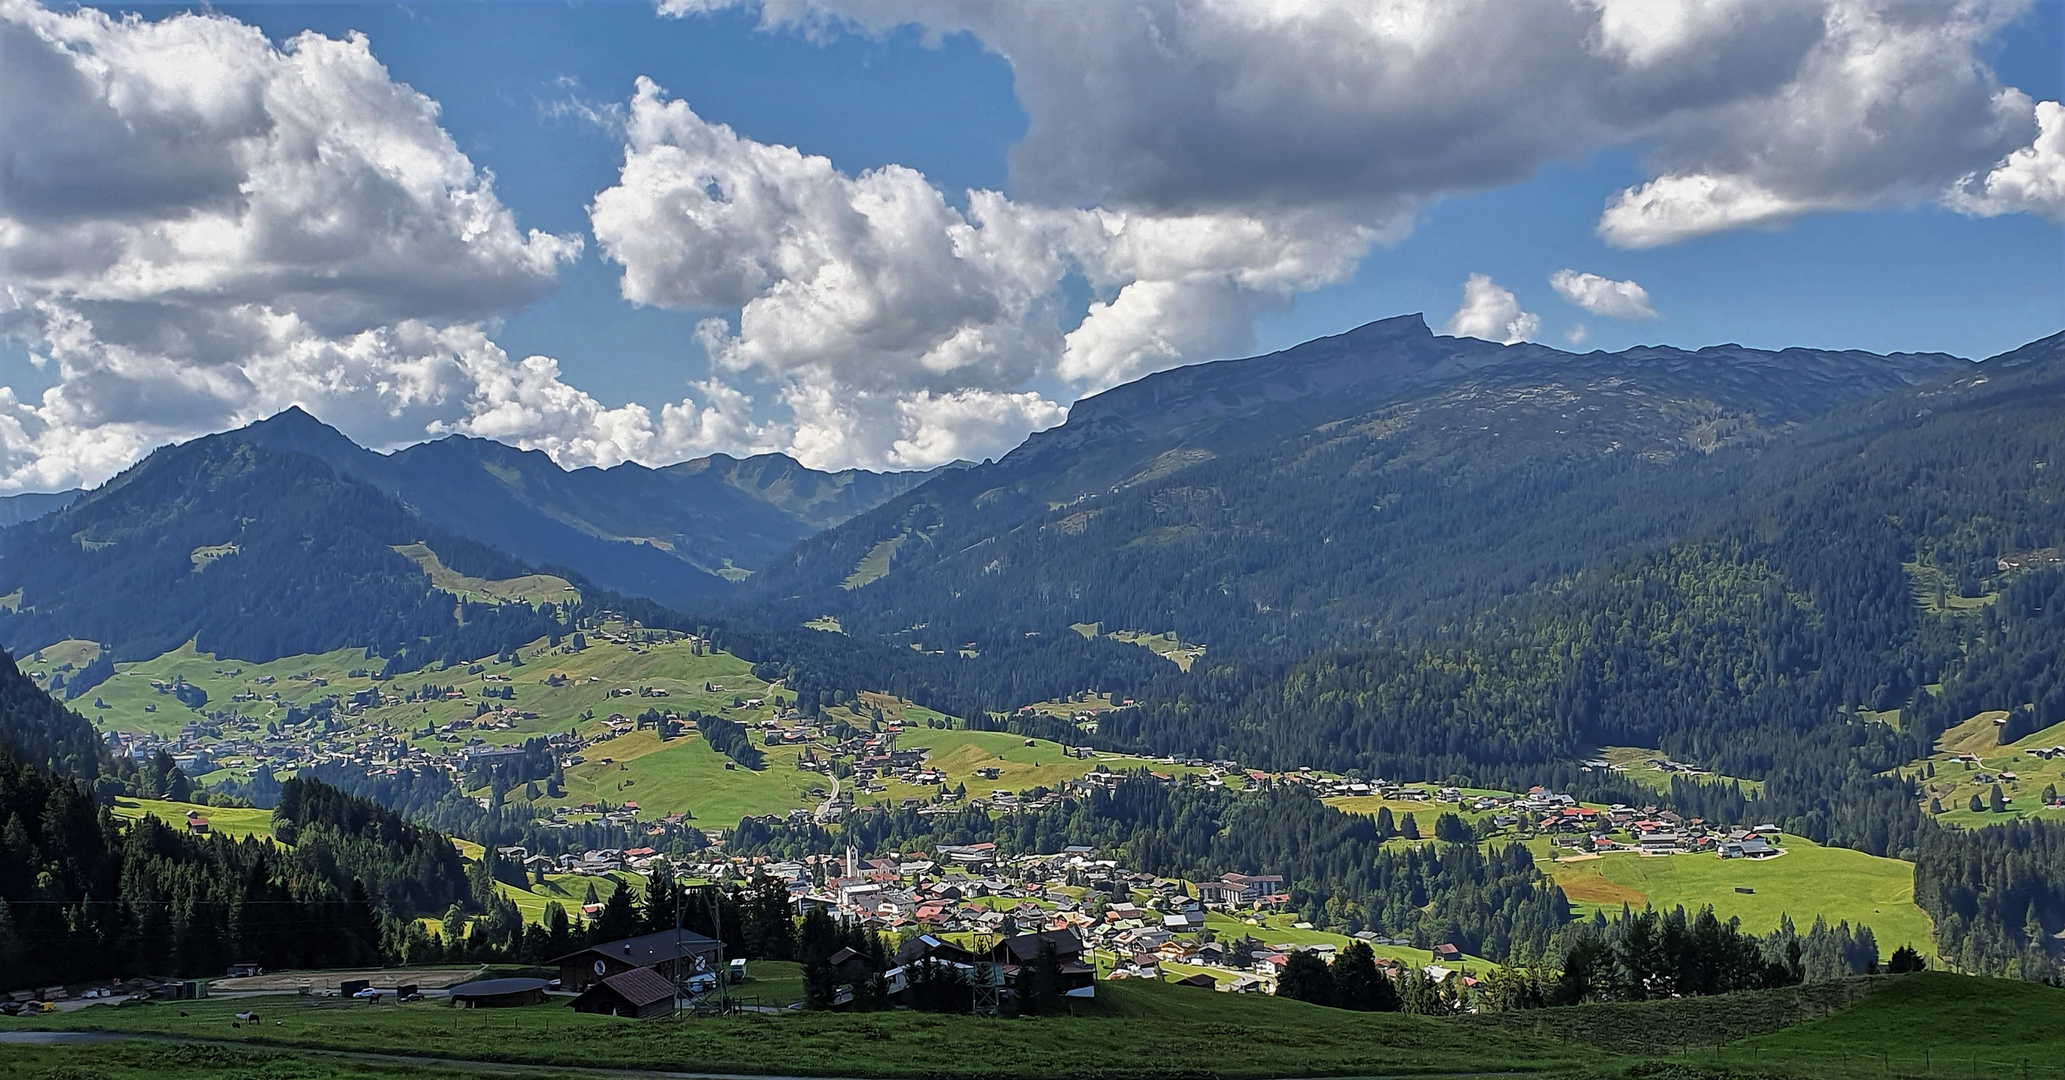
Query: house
(1661, 843)
(1201, 979)
(1447, 953)
(660, 952)
(639, 992)
(1016, 953)
(927, 947)
(851, 964)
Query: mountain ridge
(676, 534)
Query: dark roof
(638, 987)
(1025, 948)
(496, 987)
(846, 957)
(926, 945)
(646, 950)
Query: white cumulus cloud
(904, 331)
(1750, 112)
(1603, 295)
(199, 228)
(1492, 313)
(2031, 180)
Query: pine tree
(1306, 977)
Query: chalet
(1078, 979)
(660, 952)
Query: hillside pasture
(685, 774)
(959, 755)
(874, 565)
(1956, 782)
(234, 822)
(1165, 644)
(1638, 765)
(569, 891)
(533, 589)
(1809, 880)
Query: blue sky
(1866, 255)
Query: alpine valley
(1393, 671)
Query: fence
(1927, 1064)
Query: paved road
(825, 809)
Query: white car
(368, 994)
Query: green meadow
(1956, 782)
(227, 821)
(1931, 1025)
(684, 774)
(1809, 880)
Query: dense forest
(1637, 956)
(83, 896)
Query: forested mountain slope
(1325, 493)
(1711, 553)
(674, 534)
(248, 552)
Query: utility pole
(717, 924)
(675, 967)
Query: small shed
(498, 993)
(639, 992)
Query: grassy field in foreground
(1808, 880)
(228, 821)
(1932, 1025)
(1129, 1030)
(154, 1061)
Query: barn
(498, 993)
(639, 992)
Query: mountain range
(1326, 490)
(675, 534)
(1385, 553)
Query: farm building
(639, 992)
(660, 952)
(498, 993)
